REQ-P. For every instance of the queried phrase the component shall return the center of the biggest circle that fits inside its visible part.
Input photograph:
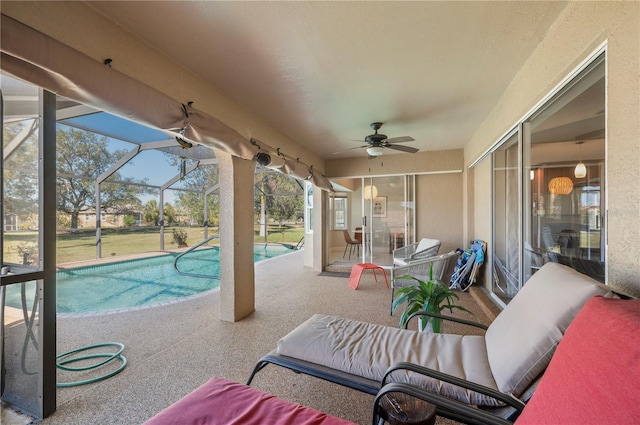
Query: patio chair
(494, 371)
(443, 265)
(416, 251)
(350, 244)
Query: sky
(152, 165)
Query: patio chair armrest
(505, 398)
(446, 407)
(449, 318)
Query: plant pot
(428, 328)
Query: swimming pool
(136, 283)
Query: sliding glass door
(388, 216)
(506, 219)
(549, 185)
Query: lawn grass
(81, 245)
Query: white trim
(577, 70)
(364, 176)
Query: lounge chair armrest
(444, 406)
(510, 401)
(449, 318)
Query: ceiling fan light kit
(375, 150)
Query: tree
(283, 196)
(191, 202)
(81, 157)
(21, 169)
(151, 213)
(169, 214)
(129, 220)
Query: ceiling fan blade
(401, 139)
(402, 148)
(350, 149)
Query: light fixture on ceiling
(581, 170)
(560, 186)
(370, 192)
(375, 151)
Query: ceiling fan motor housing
(375, 139)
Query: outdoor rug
(335, 274)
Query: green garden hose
(108, 358)
(64, 358)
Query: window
(339, 212)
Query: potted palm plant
(432, 296)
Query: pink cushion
(224, 402)
(594, 376)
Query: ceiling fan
(376, 143)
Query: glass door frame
(43, 403)
(525, 198)
(391, 209)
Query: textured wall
(580, 29)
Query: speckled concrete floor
(175, 348)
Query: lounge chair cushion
(367, 350)
(524, 336)
(224, 402)
(594, 376)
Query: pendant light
(560, 186)
(370, 192)
(581, 170)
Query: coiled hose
(61, 362)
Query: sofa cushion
(522, 339)
(367, 350)
(594, 376)
(224, 402)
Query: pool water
(136, 283)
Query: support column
(315, 245)
(237, 278)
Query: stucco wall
(439, 209)
(579, 30)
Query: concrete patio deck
(174, 348)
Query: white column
(237, 278)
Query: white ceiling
(321, 72)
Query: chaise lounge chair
(592, 377)
(490, 371)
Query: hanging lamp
(370, 192)
(560, 186)
(581, 170)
